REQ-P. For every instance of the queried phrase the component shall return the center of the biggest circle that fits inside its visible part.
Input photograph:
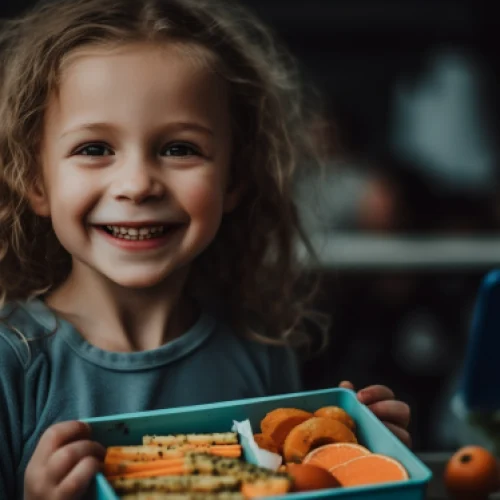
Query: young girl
(147, 150)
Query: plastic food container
(128, 429)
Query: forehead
(124, 80)
(188, 52)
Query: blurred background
(406, 217)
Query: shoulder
(20, 328)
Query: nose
(138, 182)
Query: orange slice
(336, 413)
(331, 455)
(369, 469)
(313, 433)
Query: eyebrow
(101, 127)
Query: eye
(93, 150)
(180, 149)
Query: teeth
(136, 233)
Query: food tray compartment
(128, 429)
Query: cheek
(72, 195)
(72, 198)
(202, 197)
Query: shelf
(344, 251)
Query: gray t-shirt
(49, 373)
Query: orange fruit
(310, 477)
(331, 455)
(278, 423)
(369, 469)
(313, 433)
(471, 473)
(336, 413)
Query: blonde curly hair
(252, 262)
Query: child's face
(136, 155)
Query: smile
(136, 233)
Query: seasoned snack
(278, 423)
(184, 496)
(177, 484)
(191, 463)
(312, 433)
(336, 413)
(266, 487)
(209, 464)
(220, 438)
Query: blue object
(479, 384)
(119, 430)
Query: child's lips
(139, 232)
(137, 237)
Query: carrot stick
(150, 453)
(125, 467)
(141, 453)
(156, 449)
(147, 473)
(225, 447)
(226, 453)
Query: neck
(121, 319)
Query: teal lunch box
(128, 429)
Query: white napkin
(252, 452)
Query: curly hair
(252, 262)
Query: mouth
(139, 233)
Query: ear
(39, 201)
(232, 198)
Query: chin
(138, 282)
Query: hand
(63, 464)
(395, 415)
